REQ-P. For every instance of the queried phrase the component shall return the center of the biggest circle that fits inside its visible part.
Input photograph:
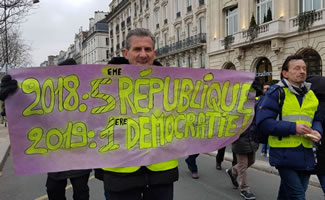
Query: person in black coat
(245, 148)
(57, 181)
(318, 87)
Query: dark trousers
(191, 162)
(56, 188)
(191, 159)
(220, 155)
(151, 192)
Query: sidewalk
(4, 145)
(263, 165)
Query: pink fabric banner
(95, 116)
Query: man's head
(294, 70)
(140, 47)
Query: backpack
(258, 135)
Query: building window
(313, 61)
(147, 22)
(157, 17)
(178, 61)
(189, 29)
(140, 6)
(262, 7)
(230, 66)
(202, 60)
(165, 12)
(189, 61)
(177, 6)
(165, 39)
(107, 54)
(107, 41)
(308, 5)
(264, 71)
(157, 42)
(178, 34)
(202, 25)
(231, 21)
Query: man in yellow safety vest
(153, 181)
(292, 127)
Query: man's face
(141, 51)
(296, 73)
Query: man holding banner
(153, 181)
(131, 119)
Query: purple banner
(96, 116)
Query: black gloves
(8, 86)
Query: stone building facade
(179, 28)
(282, 28)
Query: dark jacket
(298, 158)
(318, 87)
(125, 181)
(68, 174)
(245, 143)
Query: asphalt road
(212, 184)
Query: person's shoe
(218, 166)
(232, 178)
(195, 175)
(247, 195)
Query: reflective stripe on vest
(162, 166)
(293, 112)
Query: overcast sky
(52, 25)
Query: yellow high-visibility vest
(162, 166)
(293, 112)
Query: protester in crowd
(153, 181)
(56, 181)
(318, 87)
(291, 136)
(220, 157)
(244, 148)
(192, 166)
(265, 147)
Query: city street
(211, 185)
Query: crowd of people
(293, 129)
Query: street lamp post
(6, 36)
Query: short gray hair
(140, 32)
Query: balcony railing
(318, 18)
(182, 44)
(201, 2)
(189, 8)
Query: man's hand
(8, 86)
(302, 129)
(314, 136)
